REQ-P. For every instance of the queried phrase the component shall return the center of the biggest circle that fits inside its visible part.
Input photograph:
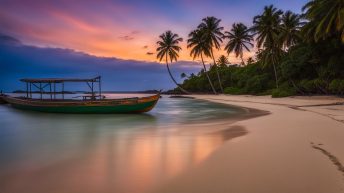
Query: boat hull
(2, 101)
(133, 105)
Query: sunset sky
(121, 29)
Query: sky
(121, 32)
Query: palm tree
(213, 37)
(198, 48)
(290, 29)
(168, 48)
(183, 75)
(239, 38)
(267, 27)
(250, 61)
(326, 18)
(222, 61)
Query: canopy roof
(58, 80)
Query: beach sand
(298, 147)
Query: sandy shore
(298, 147)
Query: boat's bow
(2, 100)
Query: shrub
(334, 86)
(256, 84)
(233, 90)
(307, 85)
(341, 87)
(321, 85)
(337, 86)
(266, 92)
(283, 92)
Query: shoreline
(186, 143)
(295, 148)
(223, 125)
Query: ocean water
(45, 152)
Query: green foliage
(325, 19)
(337, 86)
(256, 84)
(278, 93)
(299, 56)
(234, 90)
(284, 90)
(321, 85)
(307, 86)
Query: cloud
(135, 32)
(131, 36)
(145, 47)
(94, 27)
(149, 53)
(126, 37)
(8, 40)
(19, 61)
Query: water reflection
(103, 153)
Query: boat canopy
(58, 80)
(42, 83)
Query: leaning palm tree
(239, 38)
(267, 27)
(198, 48)
(168, 48)
(212, 35)
(326, 18)
(290, 29)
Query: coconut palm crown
(326, 18)
(267, 26)
(290, 29)
(239, 39)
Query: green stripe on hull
(132, 108)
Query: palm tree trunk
(242, 60)
(217, 72)
(206, 73)
(175, 82)
(296, 87)
(275, 75)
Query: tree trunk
(206, 73)
(175, 82)
(217, 72)
(296, 87)
(275, 75)
(242, 60)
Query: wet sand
(298, 147)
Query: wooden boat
(127, 105)
(90, 104)
(2, 101)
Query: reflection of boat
(94, 103)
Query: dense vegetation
(297, 54)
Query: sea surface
(46, 152)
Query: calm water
(105, 153)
